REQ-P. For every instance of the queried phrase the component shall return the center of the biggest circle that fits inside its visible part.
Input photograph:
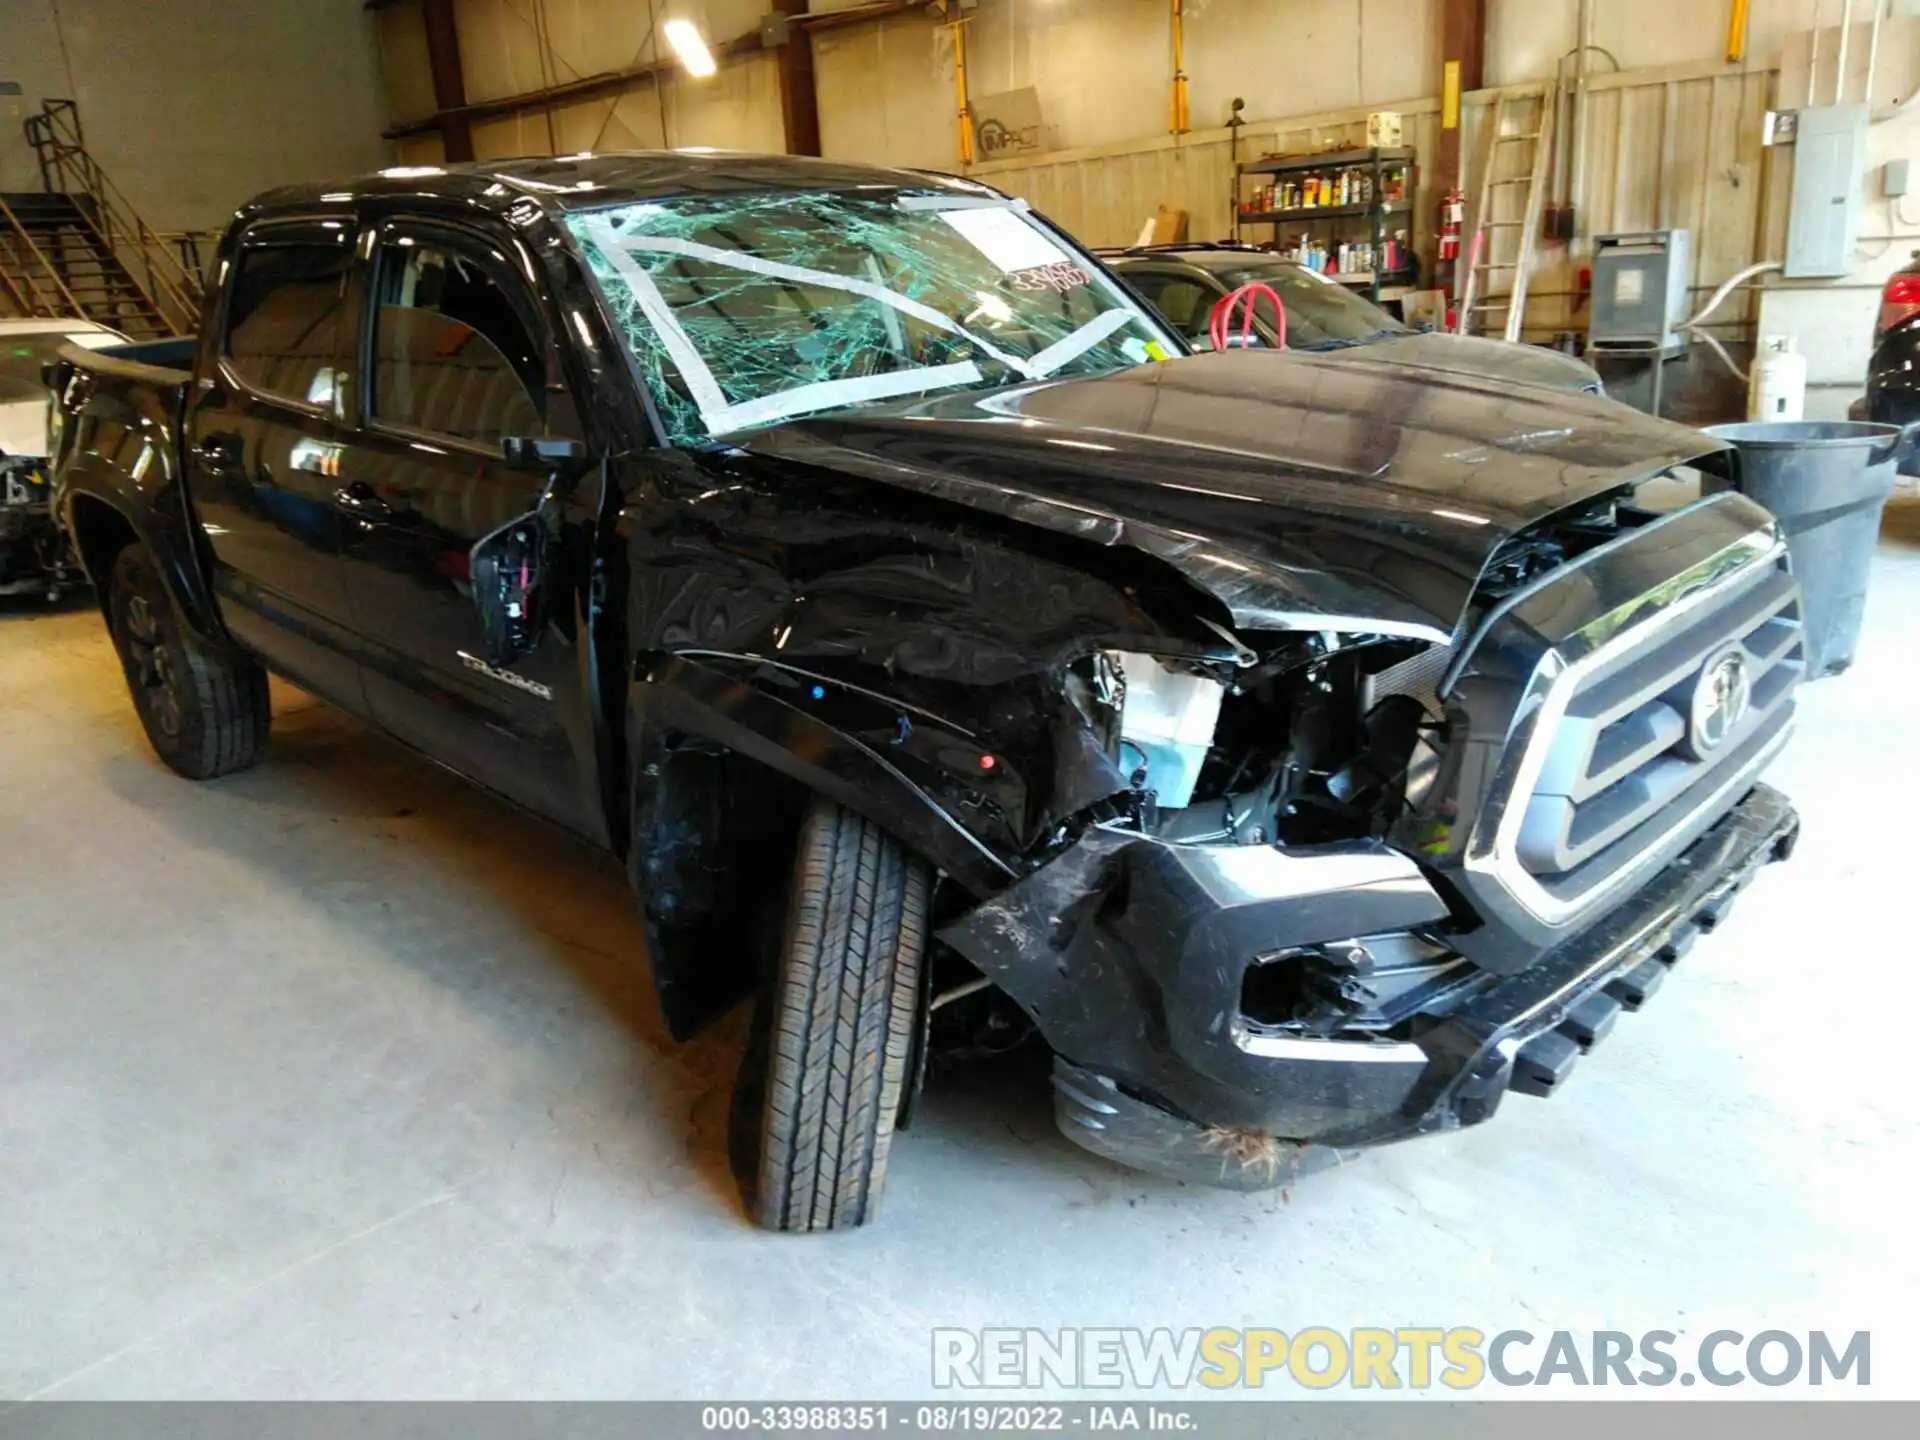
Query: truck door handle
(360, 501)
(217, 452)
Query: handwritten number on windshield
(1062, 277)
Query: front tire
(828, 1059)
(205, 714)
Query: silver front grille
(1626, 750)
(1623, 747)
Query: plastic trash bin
(1826, 482)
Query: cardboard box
(1169, 226)
(1425, 307)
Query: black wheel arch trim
(149, 499)
(680, 696)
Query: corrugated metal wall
(1674, 147)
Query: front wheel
(205, 714)
(821, 1083)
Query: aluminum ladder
(1505, 223)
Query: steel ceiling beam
(612, 82)
(449, 82)
(1463, 52)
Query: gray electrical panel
(1640, 291)
(1829, 168)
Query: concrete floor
(337, 1078)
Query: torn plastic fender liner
(1129, 953)
(683, 696)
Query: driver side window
(1184, 304)
(451, 352)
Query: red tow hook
(1221, 321)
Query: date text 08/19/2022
(942, 1419)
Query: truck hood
(1488, 359)
(1337, 492)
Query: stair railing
(37, 273)
(67, 167)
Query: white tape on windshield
(824, 279)
(829, 394)
(1063, 353)
(701, 386)
(960, 202)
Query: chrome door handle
(360, 501)
(217, 452)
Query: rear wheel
(205, 714)
(826, 1066)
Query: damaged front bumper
(1129, 954)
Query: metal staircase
(1515, 155)
(77, 248)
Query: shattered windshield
(750, 309)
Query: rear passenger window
(451, 353)
(287, 305)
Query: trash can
(1826, 482)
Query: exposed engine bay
(1300, 739)
(35, 556)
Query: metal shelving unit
(1376, 161)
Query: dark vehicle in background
(34, 555)
(1185, 282)
(1893, 378)
(1307, 750)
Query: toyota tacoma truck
(1308, 750)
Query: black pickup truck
(1307, 749)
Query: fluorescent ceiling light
(685, 38)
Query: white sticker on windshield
(1005, 238)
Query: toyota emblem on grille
(1721, 700)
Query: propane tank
(1778, 389)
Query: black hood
(1341, 491)
(1487, 359)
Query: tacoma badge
(505, 677)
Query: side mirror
(508, 569)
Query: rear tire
(205, 714)
(821, 1084)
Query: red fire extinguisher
(1453, 216)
